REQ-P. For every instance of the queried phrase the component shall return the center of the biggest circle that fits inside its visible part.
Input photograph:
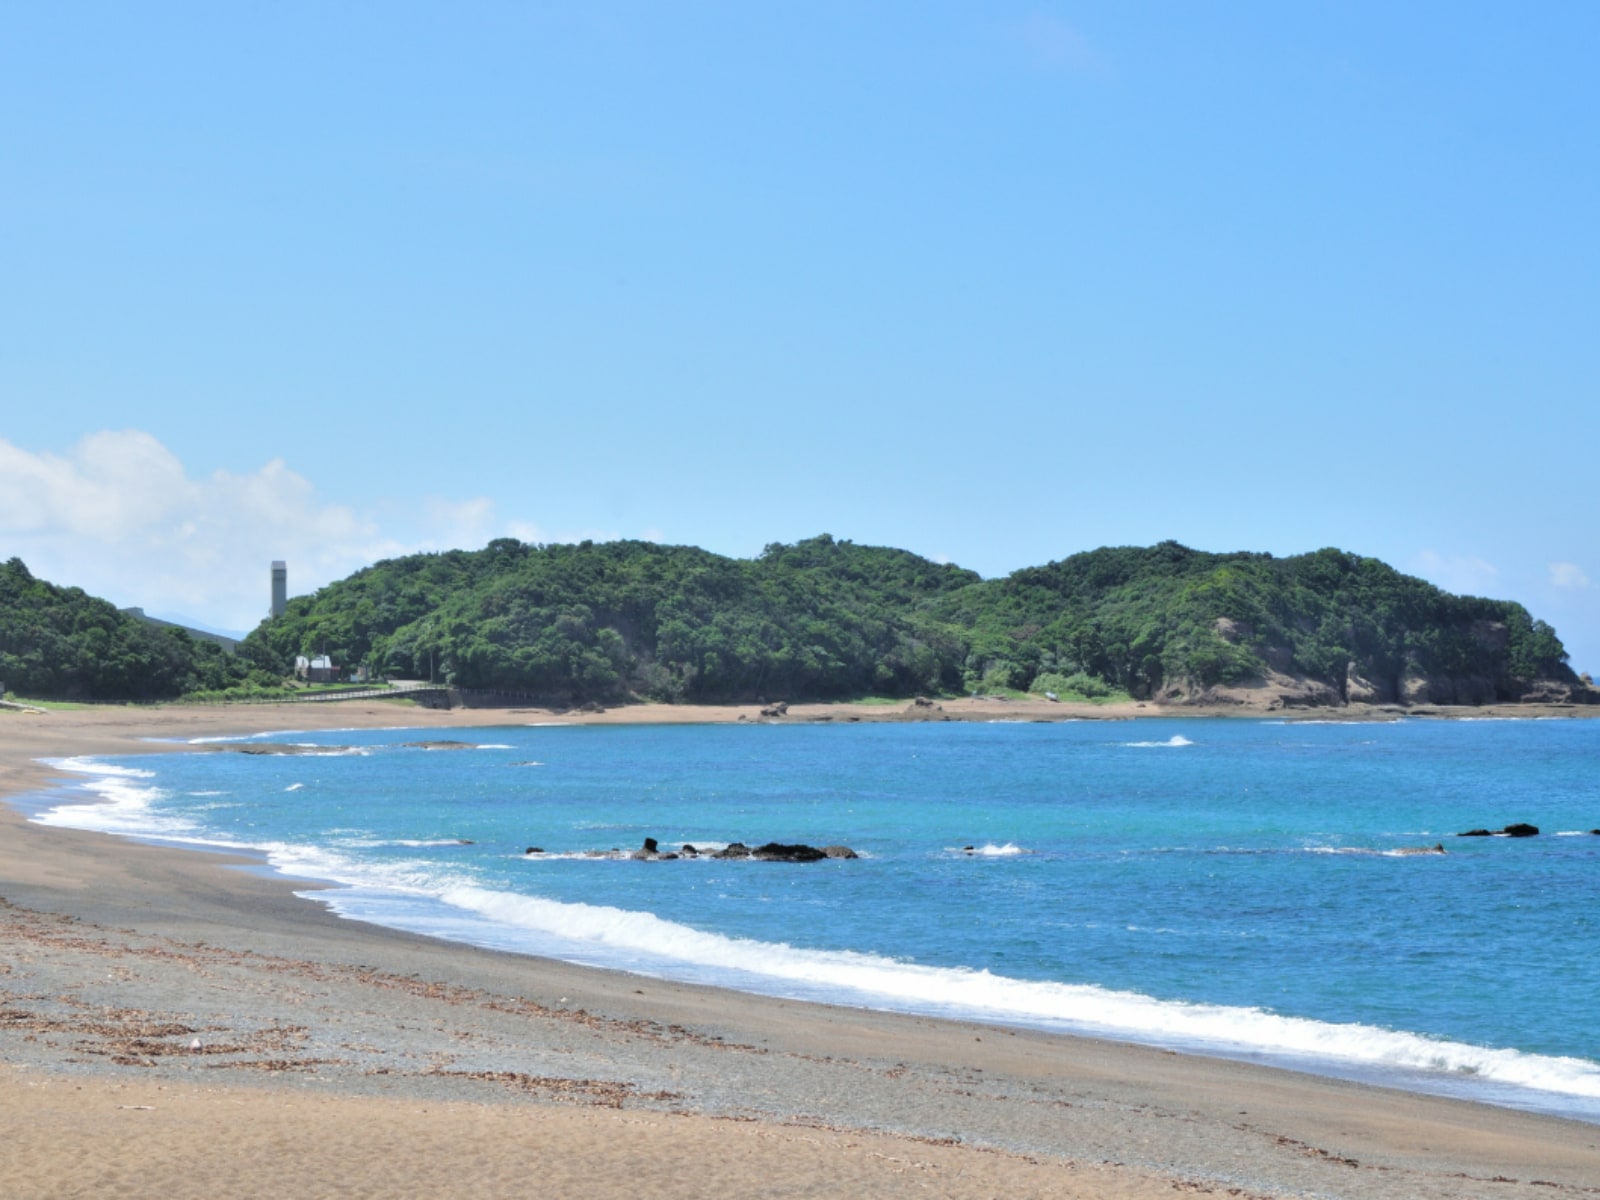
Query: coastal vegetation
(60, 642)
(826, 619)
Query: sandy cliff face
(1284, 686)
(1278, 690)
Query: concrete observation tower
(280, 587)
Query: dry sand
(173, 1025)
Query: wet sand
(173, 1025)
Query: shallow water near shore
(1242, 887)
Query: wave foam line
(120, 802)
(978, 992)
(1176, 739)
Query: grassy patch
(52, 705)
(1000, 693)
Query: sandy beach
(180, 1024)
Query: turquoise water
(1237, 887)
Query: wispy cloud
(1466, 575)
(1568, 575)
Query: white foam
(118, 803)
(1176, 739)
(601, 933)
(989, 850)
(294, 787)
(85, 765)
(374, 843)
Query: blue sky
(993, 282)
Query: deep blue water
(1232, 886)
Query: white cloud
(1568, 575)
(119, 516)
(1465, 575)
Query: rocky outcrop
(781, 852)
(791, 852)
(1519, 830)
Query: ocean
(1256, 889)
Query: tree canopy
(826, 619)
(61, 642)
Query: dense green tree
(825, 618)
(58, 642)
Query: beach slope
(174, 1025)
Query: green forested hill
(60, 642)
(828, 619)
(1169, 621)
(821, 618)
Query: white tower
(280, 587)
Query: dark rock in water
(1596, 832)
(534, 850)
(780, 852)
(650, 845)
(440, 745)
(1521, 829)
(689, 851)
(777, 852)
(1476, 833)
(648, 852)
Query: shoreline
(337, 1025)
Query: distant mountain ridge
(829, 619)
